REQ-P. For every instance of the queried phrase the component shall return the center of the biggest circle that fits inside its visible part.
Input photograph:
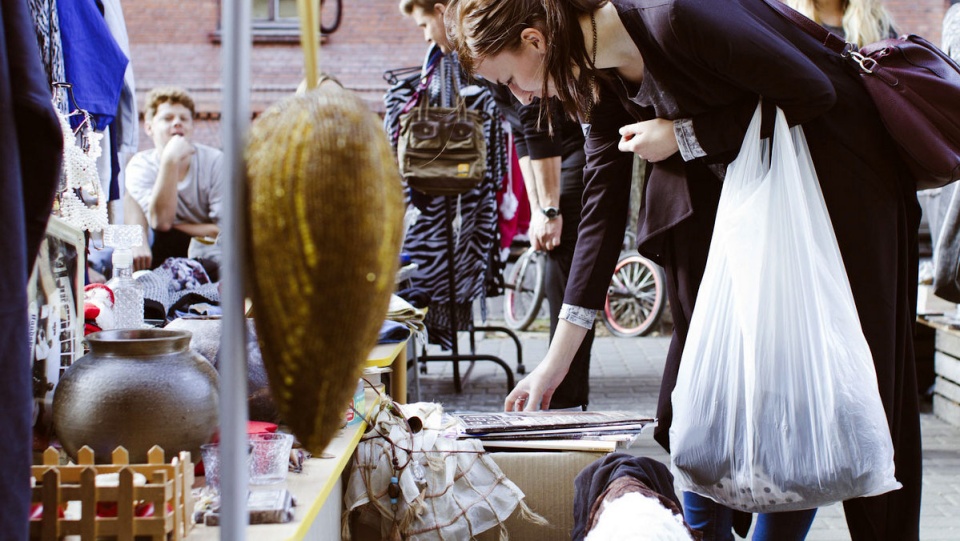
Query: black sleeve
(510, 109)
(535, 133)
(606, 197)
(725, 38)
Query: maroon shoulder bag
(916, 88)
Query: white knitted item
(634, 517)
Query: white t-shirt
(199, 193)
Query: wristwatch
(550, 212)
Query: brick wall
(922, 17)
(171, 43)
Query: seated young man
(174, 189)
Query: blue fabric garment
(716, 521)
(31, 148)
(93, 61)
(127, 126)
(392, 332)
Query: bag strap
(832, 41)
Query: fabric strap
(832, 41)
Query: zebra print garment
(473, 214)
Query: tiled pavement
(625, 374)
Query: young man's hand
(178, 150)
(142, 258)
(544, 232)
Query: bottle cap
(122, 258)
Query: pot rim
(138, 341)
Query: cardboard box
(546, 478)
(928, 303)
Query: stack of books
(554, 429)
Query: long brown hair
(483, 28)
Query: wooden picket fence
(168, 488)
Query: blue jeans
(716, 521)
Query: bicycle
(524, 290)
(636, 296)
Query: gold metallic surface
(325, 213)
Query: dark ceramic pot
(137, 389)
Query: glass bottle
(127, 292)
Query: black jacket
(712, 61)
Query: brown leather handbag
(916, 88)
(442, 150)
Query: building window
(274, 13)
(279, 21)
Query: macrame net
(449, 488)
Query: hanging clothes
(93, 62)
(476, 252)
(124, 131)
(127, 123)
(31, 145)
(46, 21)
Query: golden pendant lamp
(325, 213)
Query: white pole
(234, 123)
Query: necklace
(593, 26)
(82, 204)
(593, 65)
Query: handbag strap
(832, 41)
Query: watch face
(551, 212)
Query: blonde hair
(167, 94)
(864, 21)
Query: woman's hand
(535, 391)
(652, 140)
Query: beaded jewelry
(82, 204)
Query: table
(318, 491)
(394, 356)
(319, 487)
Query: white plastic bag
(776, 406)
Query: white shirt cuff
(578, 315)
(690, 148)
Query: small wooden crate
(946, 362)
(168, 487)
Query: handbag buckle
(867, 64)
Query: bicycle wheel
(635, 298)
(524, 291)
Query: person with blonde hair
(174, 190)
(858, 21)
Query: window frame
(286, 30)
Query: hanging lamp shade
(325, 213)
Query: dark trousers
(574, 390)
(175, 243)
(166, 244)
